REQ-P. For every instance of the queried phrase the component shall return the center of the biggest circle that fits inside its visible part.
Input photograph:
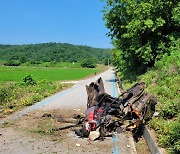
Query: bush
(169, 133)
(89, 63)
(15, 96)
(12, 63)
(28, 80)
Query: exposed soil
(142, 147)
(52, 132)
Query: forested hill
(48, 52)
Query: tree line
(15, 55)
(142, 31)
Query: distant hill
(48, 52)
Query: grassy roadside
(19, 90)
(17, 95)
(102, 68)
(163, 80)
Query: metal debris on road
(106, 114)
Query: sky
(63, 21)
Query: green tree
(142, 31)
(89, 63)
(12, 63)
(22, 58)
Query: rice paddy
(44, 73)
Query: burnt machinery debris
(106, 114)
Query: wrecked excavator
(106, 114)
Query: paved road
(75, 98)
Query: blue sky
(65, 21)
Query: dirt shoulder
(51, 132)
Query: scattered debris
(106, 114)
(94, 134)
(7, 111)
(78, 145)
(128, 146)
(46, 115)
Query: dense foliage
(164, 81)
(142, 31)
(90, 63)
(15, 55)
(28, 80)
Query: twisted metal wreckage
(106, 114)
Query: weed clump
(16, 95)
(28, 80)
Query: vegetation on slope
(164, 81)
(53, 53)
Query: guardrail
(151, 144)
(147, 136)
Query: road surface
(73, 98)
(76, 97)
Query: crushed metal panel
(108, 114)
(93, 91)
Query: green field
(41, 73)
(51, 64)
(18, 94)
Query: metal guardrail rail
(151, 144)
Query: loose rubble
(106, 114)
